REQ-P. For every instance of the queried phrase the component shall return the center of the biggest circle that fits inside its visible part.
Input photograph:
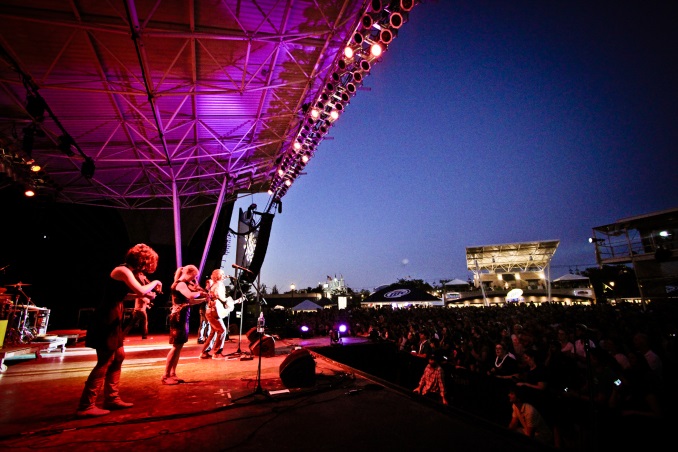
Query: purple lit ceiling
(204, 100)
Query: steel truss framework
(174, 104)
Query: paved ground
(229, 404)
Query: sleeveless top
(105, 326)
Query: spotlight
(305, 331)
(30, 191)
(64, 144)
(88, 168)
(376, 49)
(595, 240)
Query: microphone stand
(258, 389)
(238, 352)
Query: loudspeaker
(252, 335)
(298, 369)
(265, 345)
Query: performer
(141, 305)
(204, 329)
(216, 308)
(105, 333)
(185, 292)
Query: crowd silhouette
(600, 375)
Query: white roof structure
(570, 277)
(511, 257)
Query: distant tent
(571, 281)
(398, 294)
(570, 277)
(456, 282)
(307, 305)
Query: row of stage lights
(377, 29)
(22, 170)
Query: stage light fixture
(64, 144)
(595, 240)
(385, 36)
(376, 49)
(406, 5)
(30, 191)
(88, 168)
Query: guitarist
(216, 308)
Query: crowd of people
(554, 372)
(587, 370)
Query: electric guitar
(225, 307)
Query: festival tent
(456, 282)
(307, 305)
(398, 295)
(570, 277)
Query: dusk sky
(487, 122)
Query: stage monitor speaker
(252, 335)
(298, 369)
(265, 345)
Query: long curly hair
(142, 257)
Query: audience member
(527, 420)
(432, 382)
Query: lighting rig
(375, 31)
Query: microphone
(241, 268)
(232, 278)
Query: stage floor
(223, 405)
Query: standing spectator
(424, 347)
(505, 365)
(566, 346)
(432, 382)
(105, 333)
(641, 343)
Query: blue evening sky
(487, 122)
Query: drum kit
(19, 331)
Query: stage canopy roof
(166, 104)
(511, 257)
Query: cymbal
(19, 284)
